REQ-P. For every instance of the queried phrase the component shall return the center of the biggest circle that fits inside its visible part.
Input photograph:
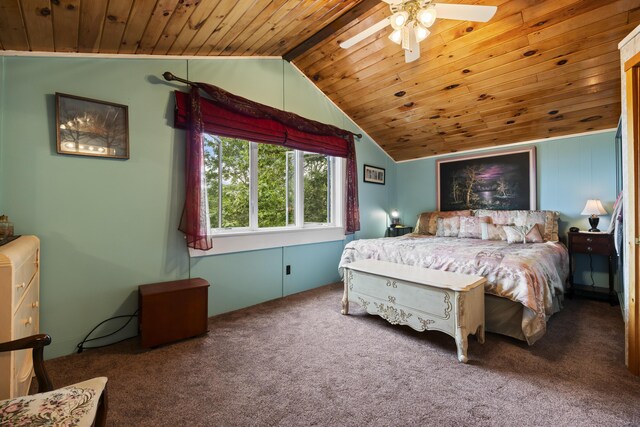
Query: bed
(525, 279)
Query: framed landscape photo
(373, 174)
(88, 127)
(502, 180)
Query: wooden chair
(85, 402)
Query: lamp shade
(395, 216)
(594, 207)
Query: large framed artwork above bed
(502, 180)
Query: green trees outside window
(230, 166)
(317, 186)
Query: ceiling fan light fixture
(399, 19)
(421, 33)
(396, 36)
(427, 16)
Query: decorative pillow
(548, 220)
(448, 227)
(492, 231)
(470, 226)
(554, 229)
(433, 221)
(522, 234)
(422, 226)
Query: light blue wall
(107, 226)
(569, 172)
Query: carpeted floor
(298, 361)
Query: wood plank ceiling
(538, 69)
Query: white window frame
(242, 239)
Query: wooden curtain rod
(170, 77)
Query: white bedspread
(531, 274)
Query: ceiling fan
(411, 19)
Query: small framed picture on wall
(373, 174)
(88, 127)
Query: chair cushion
(74, 405)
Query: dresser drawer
(24, 275)
(591, 243)
(26, 318)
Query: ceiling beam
(331, 28)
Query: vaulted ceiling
(537, 69)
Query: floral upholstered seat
(81, 404)
(74, 405)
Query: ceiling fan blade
(364, 34)
(411, 46)
(465, 12)
(411, 55)
(392, 2)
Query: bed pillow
(523, 234)
(547, 220)
(433, 220)
(422, 226)
(492, 231)
(471, 226)
(448, 227)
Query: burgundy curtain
(195, 219)
(232, 116)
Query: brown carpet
(298, 361)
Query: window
(255, 187)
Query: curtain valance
(222, 121)
(229, 115)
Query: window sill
(241, 241)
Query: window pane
(212, 176)
(291, 187)
(235, 182)
(275, 178)
(317, 189)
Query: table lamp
(594, 208)
(395, 217)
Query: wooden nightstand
(398, 231)
(593, 244)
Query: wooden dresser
(19, 311)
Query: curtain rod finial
(168, 76)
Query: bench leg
(461, 342)
(345, 297)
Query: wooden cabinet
(600, 244)
(19, 311)
(171, 311)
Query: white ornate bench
(418, 297)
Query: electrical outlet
(288, 269)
